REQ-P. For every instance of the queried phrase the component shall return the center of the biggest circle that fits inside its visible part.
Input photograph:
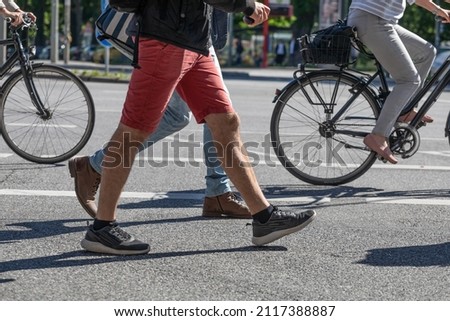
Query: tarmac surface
(383, 237)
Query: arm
(435, 9)
(245, 6)
(256, 11)
(14, 12)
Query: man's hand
(260, 15)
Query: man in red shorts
(174, 55)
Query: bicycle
(47, 113)
(321, 117)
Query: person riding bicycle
(406, 56)
(13, 11)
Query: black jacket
(186, 23)
(219, 29)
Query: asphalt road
(385, 236)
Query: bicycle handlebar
(27, 22)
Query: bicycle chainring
(404, 140)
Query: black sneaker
(281, 223)
(113, 240)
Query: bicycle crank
(404, 140)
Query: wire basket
(325, 49)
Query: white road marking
(195, 160)
(413, 167)
(159, 196)
(199, 197)
(410, 201)
(4, 155)
(40, 125)
(436, 153)
(187, 161)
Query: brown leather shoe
(87, 181)
(228, 205)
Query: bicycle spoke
(67, 129)
(309, 142)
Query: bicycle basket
(328, 46)
(332, 49)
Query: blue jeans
(177, 116)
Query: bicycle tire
(61, 136)
(447, 128)
(314, 150)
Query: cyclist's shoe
(87, 181)
(225, 205)
(383, 151)
(113, 240)
(281, 223)
(406, 118)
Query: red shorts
(164, 68)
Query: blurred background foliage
(305, 20)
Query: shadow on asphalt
(414, 256)
(28, 166)
(40, 229)
(27, 230)
(82, 258)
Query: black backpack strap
(135, 62)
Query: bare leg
(232, 154)
(117, 163)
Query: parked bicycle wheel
(71, 110)
(318, 125)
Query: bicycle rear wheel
(311, 140)
(64, 133)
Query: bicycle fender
(304, 75)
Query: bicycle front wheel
(318, 125)
(66, 129)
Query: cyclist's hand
(444, 15)
(16, 18)
(30, 15)
(260, 15)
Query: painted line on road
(196, 161)
(197, 196)
(409, 201)
(413, 167)
(160, 196)
(436, 153)
(4, 155)
(40, 125)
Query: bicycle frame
(321, 118)
(19, 55)
(441, 83)
(439, 80)
(12, 60)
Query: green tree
(421, 22)
(81, 12)
(306, 12)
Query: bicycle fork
(43, 112)
(27, 73)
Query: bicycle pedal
(382, 159)
(421, 124)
